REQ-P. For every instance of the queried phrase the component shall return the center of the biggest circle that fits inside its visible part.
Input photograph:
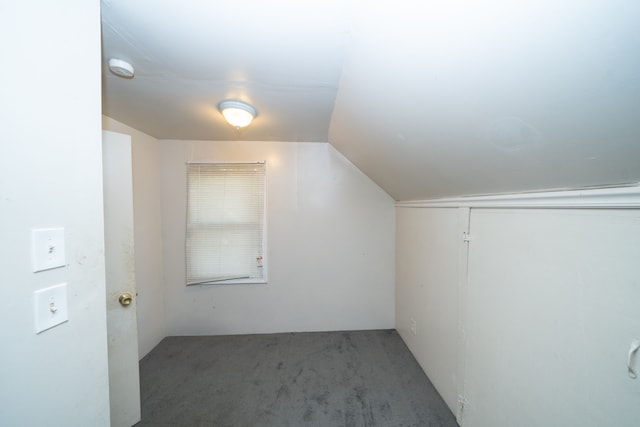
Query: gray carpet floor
(359, 378)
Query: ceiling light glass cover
(237, 113)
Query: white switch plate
(51, 307)
(48, 248)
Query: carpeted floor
(360, 378)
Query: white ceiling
(429, 99)
(283, 57)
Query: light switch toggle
(51, 307)
(633, 349)
(48, 249)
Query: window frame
(221, 281)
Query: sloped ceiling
(429, 99)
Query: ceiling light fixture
(237, 113)
(121, 68)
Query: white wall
(430, 254)
(50, 175)
(330, 245)
(545, 307)
(147, 235)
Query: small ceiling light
(237, 113)
(121, 68)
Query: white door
(553, 312)
(124, 380)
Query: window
(225, 223)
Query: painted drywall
(330, 245)
(545, 310)
(552, 311)
(285, 60)
(454, 98)
(428, 244)
(50, 176)
(147, 235)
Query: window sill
(232, 282)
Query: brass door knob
(125, 299)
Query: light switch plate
(48, 248)
(51, 307)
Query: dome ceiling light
(237, 113)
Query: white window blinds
(225, 223)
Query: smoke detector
(121, 68)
